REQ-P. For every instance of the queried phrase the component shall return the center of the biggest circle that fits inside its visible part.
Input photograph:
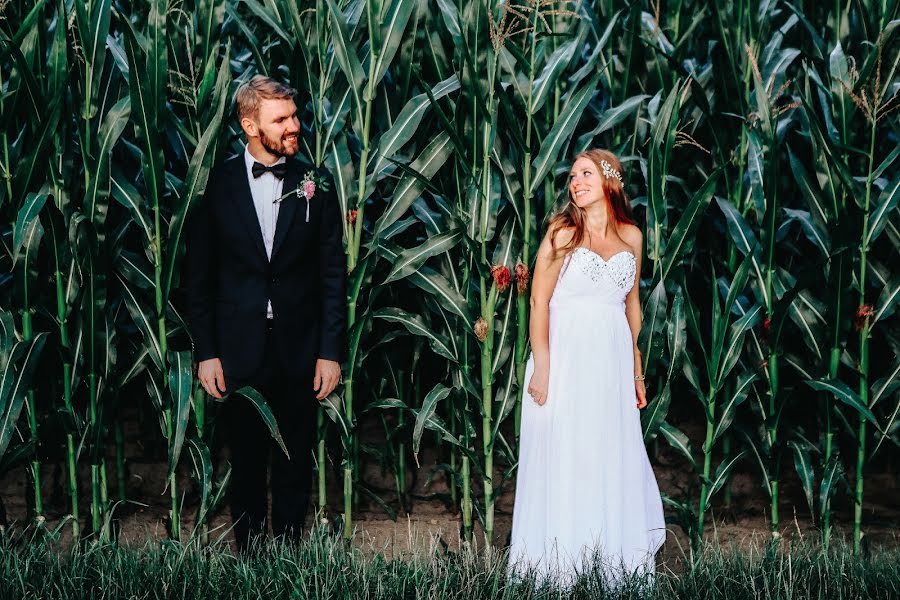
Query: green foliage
(323, 567)
(760, 155)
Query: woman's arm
(632, 236)
(546, 271)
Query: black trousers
(251, 445)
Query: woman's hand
(641, 392)
(537, 387)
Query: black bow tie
(279, 170)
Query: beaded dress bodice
(587, 275)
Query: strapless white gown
(585, 488)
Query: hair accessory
(609, 172)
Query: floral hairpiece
(609, 172)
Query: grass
(325, 567)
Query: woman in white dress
(585, 489)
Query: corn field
(760, 143)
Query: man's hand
(210, 374)
(328, 373)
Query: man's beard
(278, 148)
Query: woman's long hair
(618, 203)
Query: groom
(265, 286)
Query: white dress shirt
(265, 189)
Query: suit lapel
(243, 199)
(288, 205)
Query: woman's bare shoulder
(631, 235)
(560, 233)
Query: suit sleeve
(333, 273)
(199, 272)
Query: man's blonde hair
(250, 93)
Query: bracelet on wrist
(638, 377)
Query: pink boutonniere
(306, 189)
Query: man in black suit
(266, 293)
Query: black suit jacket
(229, 279)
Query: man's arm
(332, 269)
(198, 277)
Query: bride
(585, 489)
